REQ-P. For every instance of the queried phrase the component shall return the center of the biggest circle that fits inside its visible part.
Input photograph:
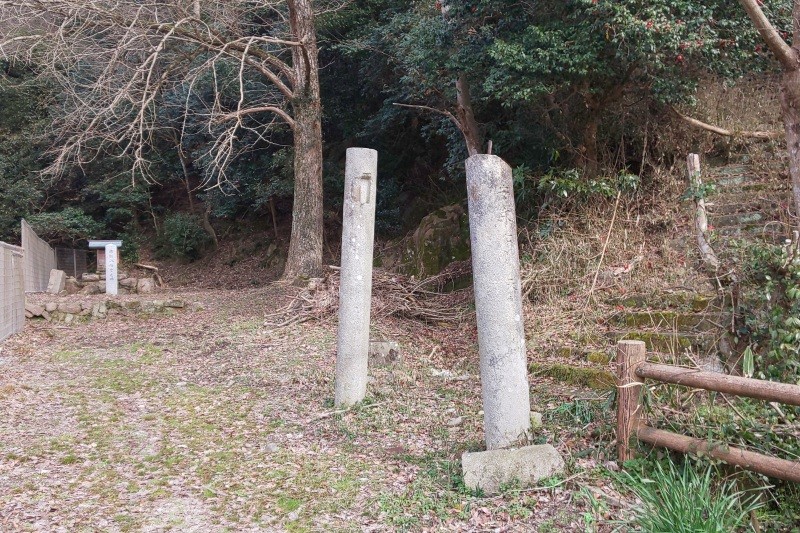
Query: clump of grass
(69, 459)
(685, 500)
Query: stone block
(33, 310)
(72, 286)
(91, 289)
(90, 277)
(145, 286)
(50, 307)
(129, 283)
(384, 353)
(490, 469)
(177, 304)
(57, 280)
(70, 308)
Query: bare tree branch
(444, 112)
(251, 111)
(118, 60)
(728, 133)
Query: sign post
(110, 251)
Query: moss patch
(601, 358)
(594, 378)
(663, 342)
(668, 319)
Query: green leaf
(748, 364)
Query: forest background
(577, 96)
(213, 135)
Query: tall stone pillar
(355, 290)
(498, 301)
(111, 269)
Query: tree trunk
(186, 165)
(208, 227)
(790, 107)
(305, 246)
(594, 107)
(466, 117)
(589, 156)
(789, 58)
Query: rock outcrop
(441, 238)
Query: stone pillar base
(490, 469)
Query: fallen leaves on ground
(209, 421)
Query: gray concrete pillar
(111, 269)
(355, 290)
(498, 301)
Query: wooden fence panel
(632, 370)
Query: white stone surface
(490, 469)
(58, 279)
(384, 354)
(355, 290)
(498, 301)
(112, 283)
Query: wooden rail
(632, 370)
(770, 391)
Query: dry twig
(392, 294)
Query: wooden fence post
(630, 354)
(700, 215)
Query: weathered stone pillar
(111, 269)
(355, 290)
(498, 301)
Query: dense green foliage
(560, 88)
(773, 318)
(22, 121)
(183, 236)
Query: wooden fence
(633, 369)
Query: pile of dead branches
(393, 294)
